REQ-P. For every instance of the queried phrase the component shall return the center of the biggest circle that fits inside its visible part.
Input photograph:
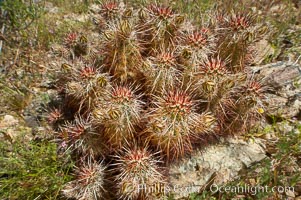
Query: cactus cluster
(151, 75)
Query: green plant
(20, 14)
(32, 170)
(73, 6)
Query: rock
(283, 107)
(269, 132)
(279, 74)
(298, 188)
(284, 81)
(290, 193)
(50, 8)
(278, 8)
(285, 127)
(31, 121)
(10, 128)
(8, 121)
(220, 162)
(76, 17)
(94, 8)
(263, 50)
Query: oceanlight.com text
(238, 189)
(253, 190)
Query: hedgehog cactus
(161, 28)
(119, 115)
(137, 170)
(162, 72)
(89, 182)
(173, 122)
(86, 85)
(74, 46)
(109, 10)
(198, 44)
(81, 136)
(54, 116)
(250, 103)
(241, 107)
(153, 76)
(70, 40)
(122, 51)
(214, 80)
(237, 35)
